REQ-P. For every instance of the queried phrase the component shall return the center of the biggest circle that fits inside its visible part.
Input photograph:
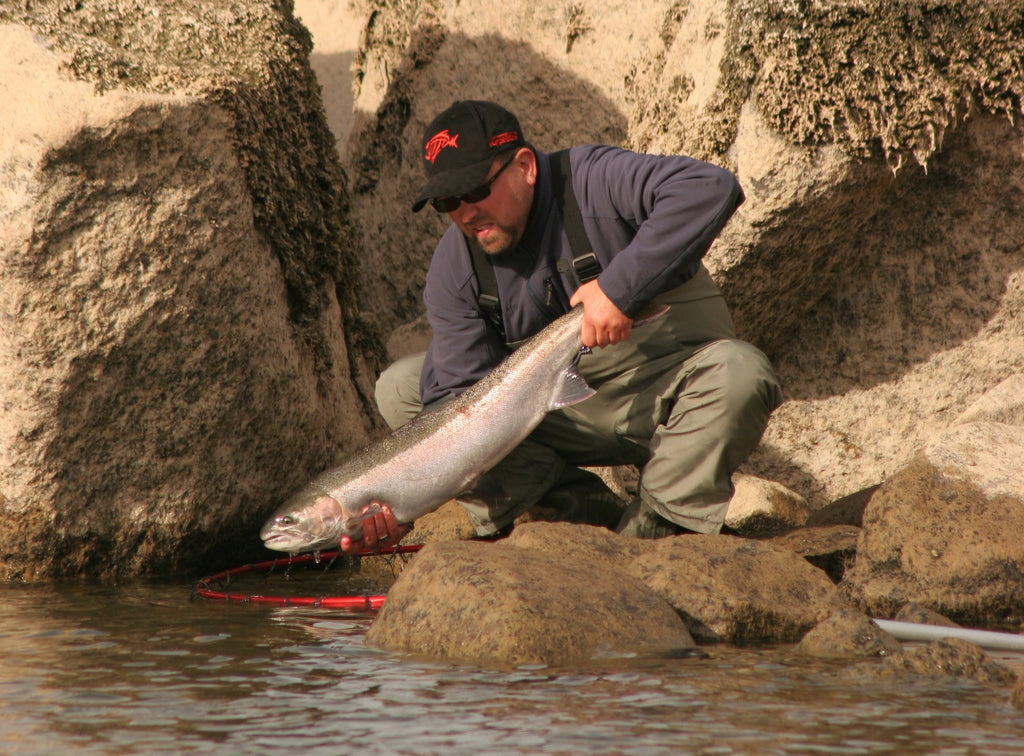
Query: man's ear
(526, 159)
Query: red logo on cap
(438, 142)
(503, 138)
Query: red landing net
(204, 586)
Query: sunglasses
(450, 204)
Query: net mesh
(330, 580)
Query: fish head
(308, 521)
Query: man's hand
(603, 322)
(379, 530)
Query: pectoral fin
(572, 389)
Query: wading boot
(640, 521)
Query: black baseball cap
(460, 145)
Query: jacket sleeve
(675, 204)
(464, 346)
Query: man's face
(497, 222)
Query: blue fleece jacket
(649, 219)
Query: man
(680, 396)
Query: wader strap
(488, 300)
(584, 261)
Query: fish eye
(285, 520)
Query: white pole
(914, 631)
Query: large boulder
(179, 344)
(945, 541)
(945, 531)
(498, 603)
(556, 593)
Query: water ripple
(142, 670)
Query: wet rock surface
(738, 591)
(951, 657)
(848, 633)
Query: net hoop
(204, 586)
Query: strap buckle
(587, 267)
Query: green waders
(682, 398)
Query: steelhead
(440, 453)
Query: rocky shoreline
(198, 287)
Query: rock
(447, 523)
(864, 397)
(829, 548)
(579, 542)
(727, 589)
(1004, 403)
(986, 454)
(1017, 694)
(923, 616)
(942, 542)
(335, 28)
(762, 507)
(847, 510)
(737, 591)
(496, 603)
(179, 341)
(409, 338)
(848, 633)
(950, 657)
(622, 480)
(468, 599)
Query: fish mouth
(295, 543)
(284, 542)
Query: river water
(144, 668)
